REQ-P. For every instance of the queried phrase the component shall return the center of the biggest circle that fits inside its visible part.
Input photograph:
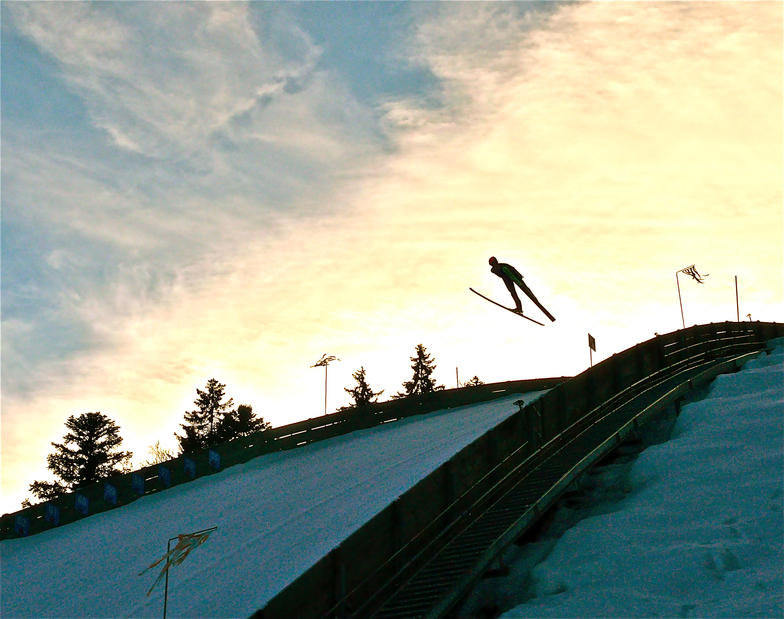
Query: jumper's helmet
(493, 261)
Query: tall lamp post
(691, 271)
(325, 361)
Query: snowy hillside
(276, 516)
(698, 530)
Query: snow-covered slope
(276, 516)
(699, 530)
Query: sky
(231, 190)
(696, 529)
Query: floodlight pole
(737, 303)
(696, 276)
(325, 361)
(166, 583)
(680, 301)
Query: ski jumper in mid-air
(511, 276)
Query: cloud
(604, 117)
(595, 146)
(201, 92)
(210, 126)
(163, 86)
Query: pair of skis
(509, 309)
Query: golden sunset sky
(230, 190)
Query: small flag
(591, 342)
(700, 279)
(185, 544)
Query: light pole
(696, 276)
(325, 361)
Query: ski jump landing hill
(424, 551)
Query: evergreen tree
(362, 393)
(473, 382)
(203, 424)
(241, 422)
(422, 382)
(45, 491)
(192, 441)
(87, 454)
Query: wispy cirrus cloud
(204, 124)
(167, 86)
(208, 93)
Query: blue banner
(110, 493)
(82, 504)
(52, 514)
(190, 466)
(22, 526)
(164, 475)
(137, 483)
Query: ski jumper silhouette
(511, 276)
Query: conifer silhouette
(202, 425)
(362, 394)
(241, 422)
(87, 454)
(422, 382)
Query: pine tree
(241, 422)
(362, 393)
(473, 382)
(202, 427)
(423, 366)
(87, 454)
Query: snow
(690, 527)
(697, 531)
(276, 516)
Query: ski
(529, 294)
(508, 309)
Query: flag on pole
(700, 279)
(185, 544)
(591, 342)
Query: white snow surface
(700, 531)
(276, 515)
